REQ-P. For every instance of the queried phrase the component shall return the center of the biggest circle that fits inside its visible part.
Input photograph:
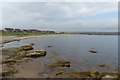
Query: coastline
(7, 39)
(21, 67)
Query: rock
(59, 73)
(8, 61)
(49, 46)
(2, 45)
(96, 74)
(37, 53)
(9, 72)
(60, 64)
(32, 44)
(103, 65)
(26, 47)
(93, 51)
(108, 76)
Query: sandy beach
(6, 39)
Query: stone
(8, 61)
(103, 65)
(49, 46)
(37, 53)
(26, 47)
(96, 74)
(93, 51)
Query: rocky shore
(20, 62)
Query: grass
(22, 33)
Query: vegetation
(23, 33)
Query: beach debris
(60, 64)
(93, 50)
(37, 53)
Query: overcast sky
(64, 16)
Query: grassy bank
(23, 33)
(45, 33)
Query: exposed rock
(103, 65)
(2, 45)
(49, 46)
(59, 73)
(9, 72)
(96, 74)
(26, 47)
(37, 53)
(32, 44)
(93, 51)
(60, 64)
(8, 61)
(108, 76)
(79, 74)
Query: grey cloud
(58, 16)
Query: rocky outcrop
(26, 47)
(14, 56)
(8, 61)
(36, 53)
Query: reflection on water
(75, 48)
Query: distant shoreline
(10, 38)
(7, 39)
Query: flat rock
(26, 47)
(37, 53)
(93, 51)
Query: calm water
(75, 48)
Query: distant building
(8, 30)
(24, 30)
(33, 30)
(17, 30)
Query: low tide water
(75, 48)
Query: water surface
(75, 48)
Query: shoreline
(7, 39)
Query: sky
(61, 16)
